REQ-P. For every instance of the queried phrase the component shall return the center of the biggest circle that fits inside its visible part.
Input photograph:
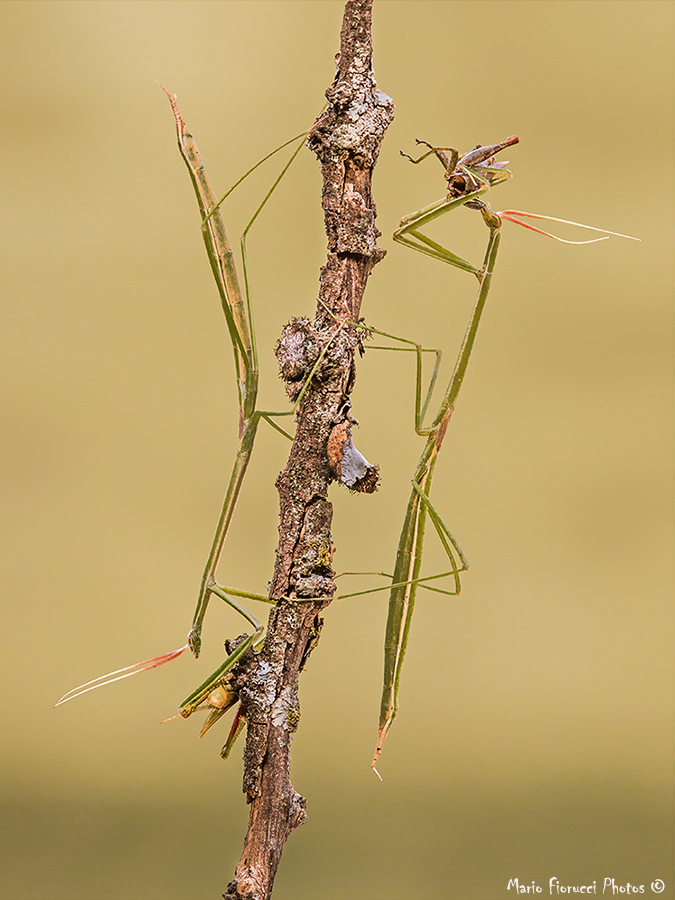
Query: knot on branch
(298, 811)
(302, 346)
(297, 351)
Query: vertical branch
(346, 139)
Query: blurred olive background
(534, 736)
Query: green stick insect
(214, 693)
(468, 177)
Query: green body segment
(402, 597)
(221, 259)
(241, 462)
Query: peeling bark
(346, 138)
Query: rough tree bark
(346, 139)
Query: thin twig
(302, 585)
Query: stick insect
(215, 691)
(468, 177)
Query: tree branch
(346, 139)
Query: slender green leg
(420, 406)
